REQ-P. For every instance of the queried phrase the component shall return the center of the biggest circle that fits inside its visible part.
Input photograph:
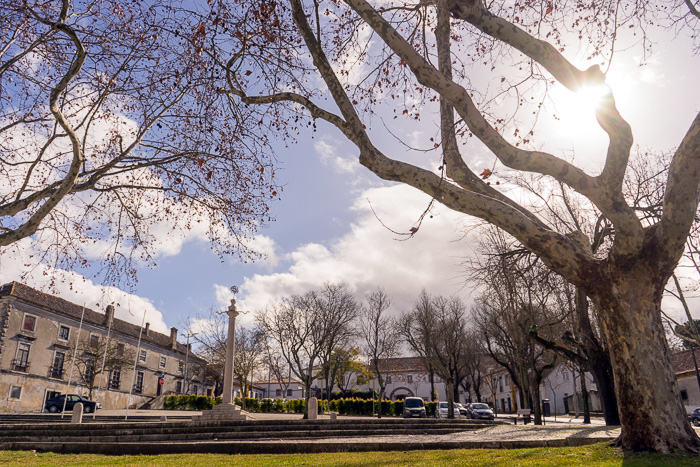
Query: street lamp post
(186, 385)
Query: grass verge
(596, 455)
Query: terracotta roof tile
(683, 361)
(402, 364)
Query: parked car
(695, 417)
(464, 410)
(442, 409)
(481, 411)
(413, 407)
(55, 404)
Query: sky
(337, 222)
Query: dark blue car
(55, 404)
(695, 417)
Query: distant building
(38, 334)
(688, 384)
(287, 388)
(407, 377)
(560, 387)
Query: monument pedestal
(223, 412)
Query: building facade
(407, 377)
(49, 346)
(684, 364)
(286, 389)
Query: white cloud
(328, 154)
(370, 255)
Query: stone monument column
(227, 410)
(227, 397)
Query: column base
(222, 412)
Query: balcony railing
(20, 365)
(138, 389)
(56, 372)
(114, 384)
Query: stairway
(273, 436)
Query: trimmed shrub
(252, 404)
(430, 408)
(392, 408)
(169, 402)
(266, 405)
(188, 402)
(296, 405)
(279, 406)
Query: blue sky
(326, 231)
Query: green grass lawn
(590, 456)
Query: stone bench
(524, 414)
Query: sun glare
(591, 96)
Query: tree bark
(639, 353)
(584, 399)
(603, 375)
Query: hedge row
(188, 402)
(349, 406)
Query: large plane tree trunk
(640, 357)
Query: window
(90, 369)
(94, 340)
(142, 355)
(289, 392)
(115, 378)
(29, 323)
(120, 349)
(15, 392)
(684, 394)
(162, 362)
(181, 366)
(195, 389)
(565, 375)
(178, 387)
(63, 333)
(57, 369)
(409, 379)
(278, 392)
(21, 363)
(138, 387)
(507, 377)
(500, 384)
(388, 379)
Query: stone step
(248, 429)
(208, 436)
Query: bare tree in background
(380, 336)
(338, 310)
(520, 294)
(436, 330)
(250, 348)
(302, 327)
(91, 352)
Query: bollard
(77, 413)
(313, 408)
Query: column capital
(232, 312)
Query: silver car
(442, 410)
(481, 411)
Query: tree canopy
(111, 126)
(376, 60)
